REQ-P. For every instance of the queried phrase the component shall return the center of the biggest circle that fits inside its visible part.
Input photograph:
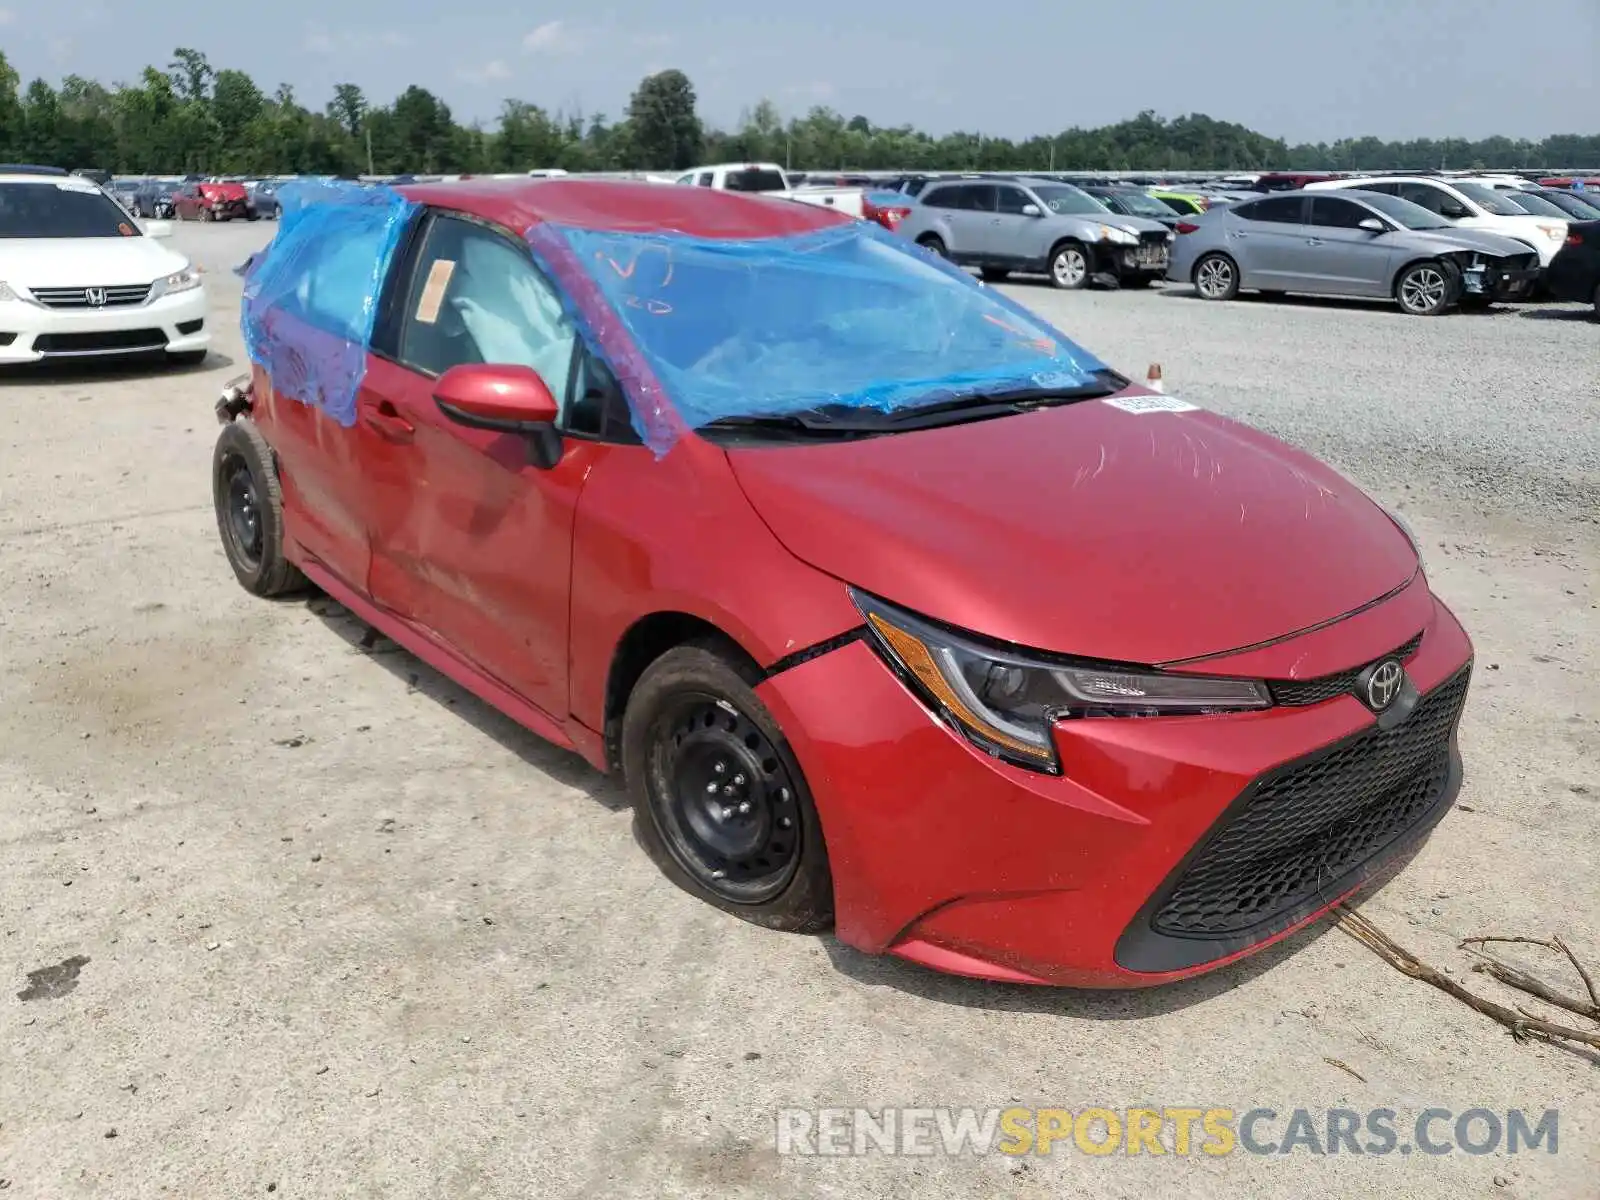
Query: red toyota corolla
(896, 610)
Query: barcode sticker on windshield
(1150, 404)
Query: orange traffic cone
(1153, 379)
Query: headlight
(1005, 702)
(7, 294)
(1405, 528)
(1113, 233)
(179, 281)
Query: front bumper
(1500, 283)
(951, 859)
(1148, 260)
(176, 323)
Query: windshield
(1141, 204)
(756, 180)
(62, 208)
(1487, 199)
(848, 316)
(1537, 205)
(1403, 212)
(1573, 206)
(1059, 198)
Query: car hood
(1457, 238)
(1114, 219)
(85, 262)
(1086, 529)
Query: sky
(1394, 69)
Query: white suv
(1467, 204)
(80, 279)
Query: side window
(979, 197)
(1388, 189)
(1337, 214)
(1435, 200)
(705, 179)
(476, 297)
(689, 178)
(1281, 210)
(1011, 200)
(942, 197)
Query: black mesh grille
(1153, 236)
(1300, 692)
(100, 342)
(1306, 825)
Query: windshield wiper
(1015, 400)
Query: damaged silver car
(1349, 243)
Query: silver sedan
(1348, 243)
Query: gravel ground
(309, 920)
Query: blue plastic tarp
(699, 329)
(323, 270)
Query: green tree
(666, 129)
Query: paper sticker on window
(433, 289)
(76, 185)
(1150, 404)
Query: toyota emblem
(1383, 684)
(95, 296)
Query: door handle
(1313, 241)
(386, 419)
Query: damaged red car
(897, 611)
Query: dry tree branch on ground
(1521, 1024)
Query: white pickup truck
(769, 178)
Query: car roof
(626, 207)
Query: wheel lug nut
(744, 806)
(720, 767)
(711, 787)
(784, 823)
(738, 780)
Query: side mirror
(1372, 225)
(503, 398)
(1454, 212)
(1030, 210)
(158, 229)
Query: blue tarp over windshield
(850, 315)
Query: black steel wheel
(721, 803)
(249, 505)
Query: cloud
(489, 72)
(553, 37)
(320, 41)
(816, 90)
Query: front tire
(1426, 289)
(1216, 277)
(249, 504)
(933, 245)
(721, 804)
(1071, 267)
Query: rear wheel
(933, 245)
(207, 215)
(249, 504)
(1216, 277)
(722, 806)
(1071, 266)
(1426, 289)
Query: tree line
(192, 117)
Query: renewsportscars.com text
(1176, 1131)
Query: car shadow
(111, 370)
(1348, 303)
(1558, 314)
(564, 766)
(1133, 1004)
